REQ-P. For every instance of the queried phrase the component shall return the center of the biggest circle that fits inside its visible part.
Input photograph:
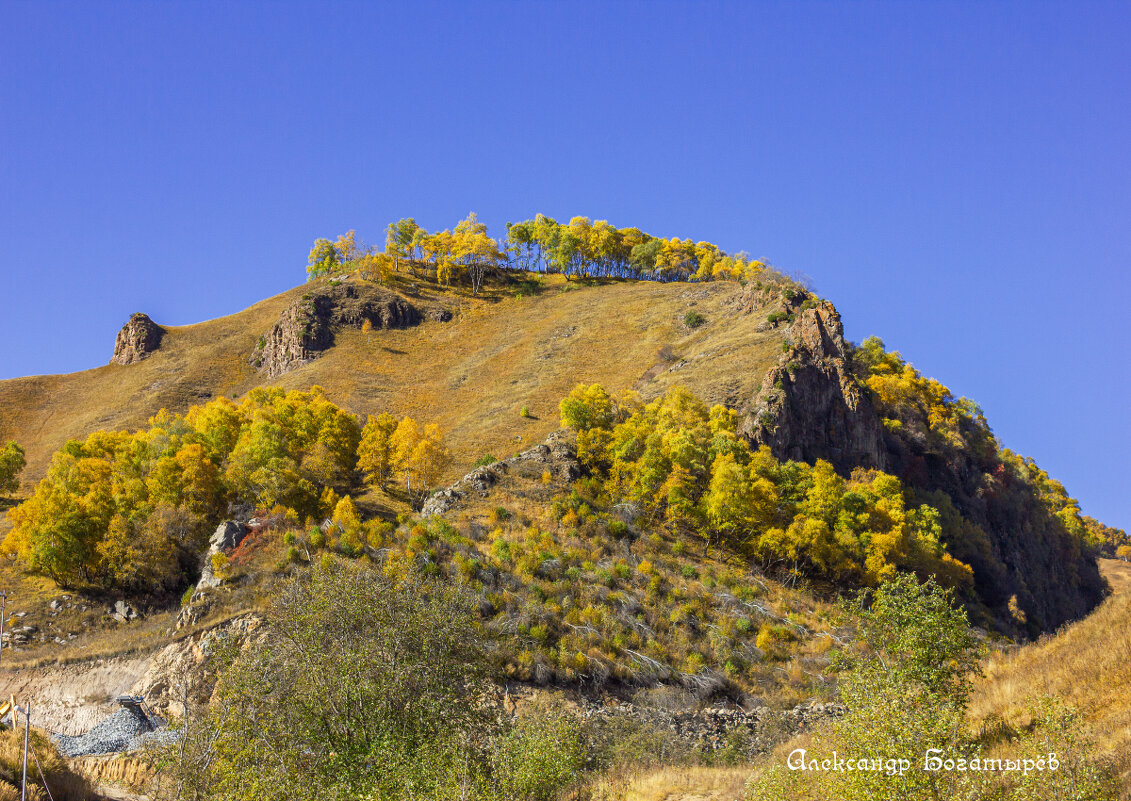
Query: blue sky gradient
(956, 177)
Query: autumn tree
(419, 457)
(475, 250)
(57, 530)
(375, 453)
(685, 465)
(132, 511)
(12, 463)
(328, 257)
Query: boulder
(227, 535)
(122, 612)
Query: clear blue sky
(956, 177)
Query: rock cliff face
(810, 407)
(306, 327)
(138, 338)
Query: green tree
(12, 463)
(587, 407)
(402, 238)
(328, 257)
(905, 683)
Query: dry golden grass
(1087, 664)
(690, 783)
(62, 783)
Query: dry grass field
(689, 783)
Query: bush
(905, 685)
(693, 319)
(358, 686)
(539, 757)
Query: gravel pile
(125, 730)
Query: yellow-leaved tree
(374, 454)
(419, 457)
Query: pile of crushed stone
(125, 730)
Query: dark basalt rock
(810, 406)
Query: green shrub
(693, 319)
(358, 687)
(538, 758)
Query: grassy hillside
(518, 344)
(1087, 665)
(628, 570)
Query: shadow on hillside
(595, 281)
(8, 503)
(385, 504)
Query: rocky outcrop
(306, 328)
(810, 405)
(180, 675)
(556, 455)
(138, 338)
(227, 536)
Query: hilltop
(652, 490)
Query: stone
(123, 612)
(306, 327)
(138, 338)
(227, 536)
